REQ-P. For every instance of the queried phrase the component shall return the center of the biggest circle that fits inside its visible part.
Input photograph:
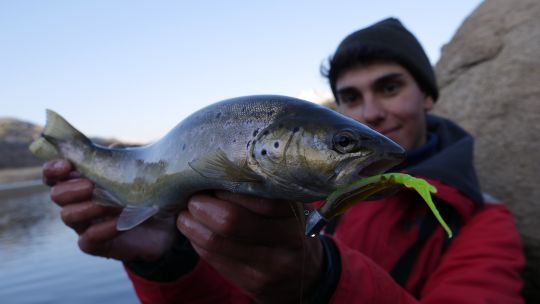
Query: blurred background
(133, 69)
(129, 71)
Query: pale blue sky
(134, 69)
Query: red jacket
(386, 254)
(481, 265)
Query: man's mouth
(389, 131)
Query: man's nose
(373, 112)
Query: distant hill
(15, 137)
(13, 130)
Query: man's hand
(96, 224)
(258, 244)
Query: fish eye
(344, 142)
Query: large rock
(489, 76)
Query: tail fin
(56, 129)
(43, 149)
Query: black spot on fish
(218, 115)
(183, 147)
(247, 145)
(276, 144)
(234, 141)
(263, 152)
(255, 132)
(140, 162)
(265, 132)
(270, 113)
(296, 129)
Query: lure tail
(374, 187)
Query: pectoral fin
(219, 166)
(133, 216)
(104, 197)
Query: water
(41, 263)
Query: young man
(234, 248)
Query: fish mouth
(357, 168)
(378, 167)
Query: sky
(132, 69)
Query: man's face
(387, 98)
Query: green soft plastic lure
(371, 188)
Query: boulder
(489, 77)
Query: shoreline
(21, 188)
(20, 181)
(25, 184)
(11, 175)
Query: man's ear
(428, 103)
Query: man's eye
(348, 98)
(391, 88)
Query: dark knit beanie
(385, 40)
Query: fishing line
(295, 207)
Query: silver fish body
(271, 146)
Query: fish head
(310, 154)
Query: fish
(271, 146)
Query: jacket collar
(450, 161)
